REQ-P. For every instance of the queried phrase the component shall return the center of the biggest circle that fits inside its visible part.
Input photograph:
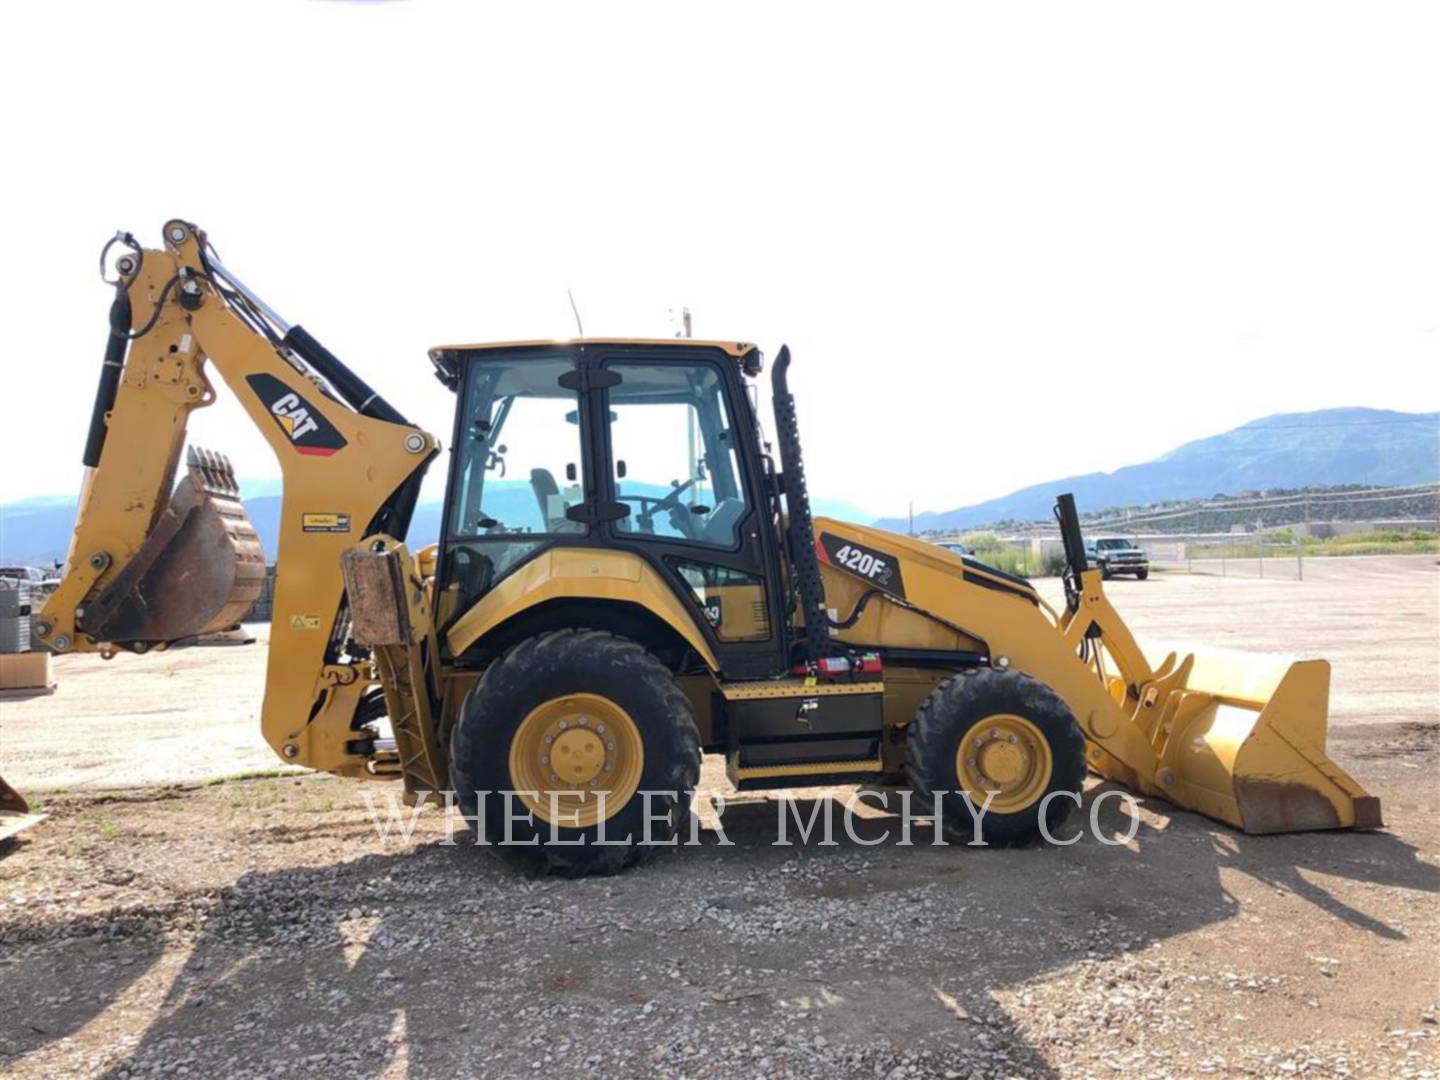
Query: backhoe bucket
(15, 814)
(1241, 738)
(200, 570)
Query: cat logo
(306, 427)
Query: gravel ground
(261, 927)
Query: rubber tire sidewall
(952, 711)
(571, 662)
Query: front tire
(558, 720)
(1000, 731)
(1141, 575)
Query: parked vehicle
(956, 547)
(33, 574)
(1113, 555)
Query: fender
(587, 573)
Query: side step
(800, 774)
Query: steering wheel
(650, 506)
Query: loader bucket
(200, 569)
(1244, 736)
(15, 814)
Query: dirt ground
(261, 927)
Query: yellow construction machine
(627, 575)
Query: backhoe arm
(147, 567)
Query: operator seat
(552, 503)
(542, 482)
(720, 523)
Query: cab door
(680, 455)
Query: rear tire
(1015, 727)
(535, 689)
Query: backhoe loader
(628, 575)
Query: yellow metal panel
(578, 573)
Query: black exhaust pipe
(800, 528)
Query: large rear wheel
(996, 734)
(576, 753)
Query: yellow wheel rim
(571, 749)
(1008, 755)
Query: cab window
(519, 451)
(674, 455)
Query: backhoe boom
(147, 567)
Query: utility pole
(912, 517)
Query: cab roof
(733, 348)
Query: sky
(1005, 243)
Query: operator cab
(648, 447)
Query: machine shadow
(42, 1005)
(382, 960)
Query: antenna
(578, 324)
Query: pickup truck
(1113, 555)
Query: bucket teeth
(213, 472)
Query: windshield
(1114, 545)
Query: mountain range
(36, 531)
(1328, 447)
(1290, 450)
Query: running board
(738, 774)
